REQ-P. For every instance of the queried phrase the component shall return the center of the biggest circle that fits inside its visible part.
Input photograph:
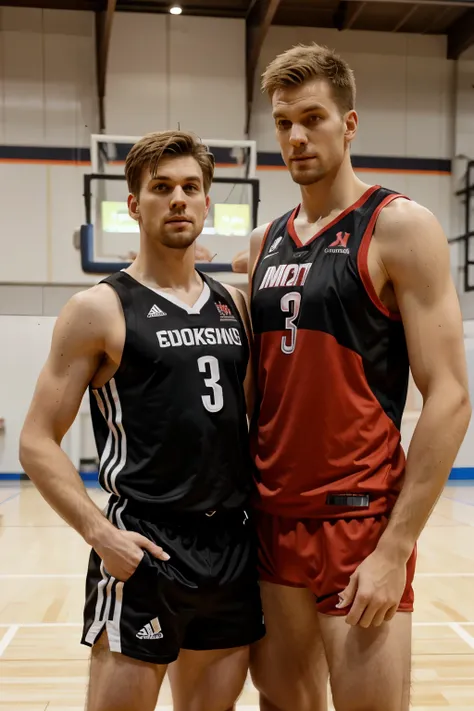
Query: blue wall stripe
(461, 473)
(265, 159)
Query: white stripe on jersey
(123, 438)
(117, 439)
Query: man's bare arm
(76, 351)
(415, 255)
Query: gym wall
(415, 108)
(166, 70)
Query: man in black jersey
(164, 352)
(349, 291)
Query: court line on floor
(7, 637)
(9, 498)
(464, 634)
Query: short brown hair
(150, 150)
(303, 63)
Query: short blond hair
(304, 63)
(152, 148)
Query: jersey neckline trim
(291, 222)
(197, 306)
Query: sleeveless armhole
(362, 258)
(121, 285)
(260, 252)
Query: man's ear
(352, 123)
(133, 207)
(208, 204)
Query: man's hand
(375, 590)
(122, 552)
(240, 263)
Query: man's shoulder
(94, 299)
(407, 233)
(403, 214)
(95, 310)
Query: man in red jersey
(348, 291)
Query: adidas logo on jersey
(151, 631)
(339, 246)
(155, 311)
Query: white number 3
(290, 303)
(212, 404)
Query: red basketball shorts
(321, 555)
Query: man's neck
(332, 195)
(164, 268)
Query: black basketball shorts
(205, 597)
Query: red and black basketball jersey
(332, 370)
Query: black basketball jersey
(332, 368)
(171, 425)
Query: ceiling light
(176, 10)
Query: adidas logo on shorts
(151, 631)
(155, 311)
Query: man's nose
(298, 135)
(178, 198)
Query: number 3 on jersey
(290, 303)
(211, 403)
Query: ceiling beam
(461, 35)
(103, 31)
(346, 14)
(411, 11)
(258, 23)
(436, 19)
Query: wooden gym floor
(42, 565)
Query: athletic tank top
(171, 425)
(332, 371)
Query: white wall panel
(29, 338)
(137, 89)
(60, 90)
(207, 75)
(428, 108)
(23, 88)
(24, 224)
(87, 116)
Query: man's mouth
(301, 159)
(179, 220)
